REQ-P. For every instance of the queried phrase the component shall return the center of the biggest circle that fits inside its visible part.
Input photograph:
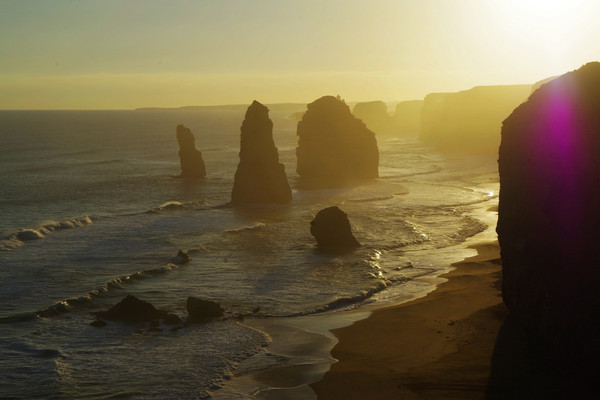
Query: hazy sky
(111, 54)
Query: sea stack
(375, 116)
(335, 147)
(549, 216)
(331, 228)
(192, 164)
(259, 178)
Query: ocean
(90, 212)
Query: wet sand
(436, 347)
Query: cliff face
(469, 121)
(334, 146)
(375, 116)
(549, 214)
(259, 178)
(190, 159)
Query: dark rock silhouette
(334, 146)
(200, 310)
(375, 116)
(259, 178)
(406, 121)
(549, 218)
(132, 310)
(190, 159)
(172, 319)
(98, 323)
(332, 230)
(469, 121)
(181, 258)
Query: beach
(435, 347)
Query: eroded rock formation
(331, 228)
(375, 116)
(200, 310)
(470, 120)
(406, 121)
(132, 310)
(190, 159)
(259, 178)
(549, 214)
(334, 146)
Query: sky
(123, 54)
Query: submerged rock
(549, 214)
(335, 147)
(259, 178)
(200, 310)
(181, 258)
(332, 230)
(190, 159)
(98, 323)
(132, 310)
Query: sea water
(90, 212)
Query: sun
(555, 30)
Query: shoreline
(308, 345)
(435, 347)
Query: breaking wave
(254, 227)
(172, 206)
(71, 303)
(18, 238)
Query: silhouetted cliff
(375, 116)
(406, 121)
(469, 121)
(334, 146)
(190, 159)
(549, 216)
(259, 178)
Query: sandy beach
(436, 347)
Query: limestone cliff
(259, 178)
(549, 214)
(335, 147)
(190, 159)
(470, 120)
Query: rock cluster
(332, 230)
(549, 214)
(334, 146)
(259, 178)
(132, 310)
(190, 159)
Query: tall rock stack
(259, 178)
(549, 215)
(192, 164)
(334, 146)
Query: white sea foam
(17, 239)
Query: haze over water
(90, 211)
